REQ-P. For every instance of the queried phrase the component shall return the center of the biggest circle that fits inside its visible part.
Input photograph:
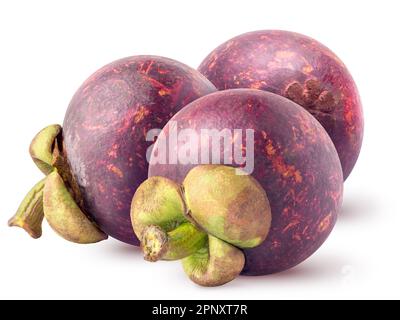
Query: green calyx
(42, 146)
(204, 222)
(29, 215)
(214, 264)
(55, 196)
(157, 201)
(230, 206)
(158, 219)
(64, 215)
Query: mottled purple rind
(284, 62)
(105, 128)
(295, 162)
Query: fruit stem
(177, 244)
(29, 215)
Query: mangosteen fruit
(95, 162)
(275, 141)
(301, 69)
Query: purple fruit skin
(295, 161)
(105, 128)
(301, 69)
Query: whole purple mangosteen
(301, 69)
(98, 159)
(282, 146)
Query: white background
(48, 48)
